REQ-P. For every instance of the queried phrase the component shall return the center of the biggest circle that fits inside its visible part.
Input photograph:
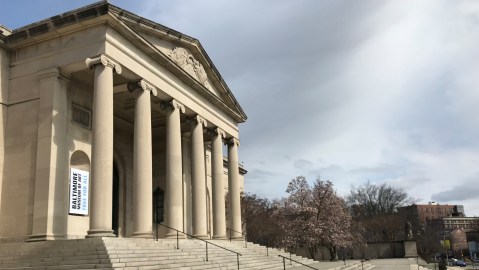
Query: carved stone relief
(188, 63)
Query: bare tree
(371, 200)
(261, 223)
(384, 228)
(429, 240)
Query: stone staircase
(276, 262)
(118, 253)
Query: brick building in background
(420, 214)
(450, 221)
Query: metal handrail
(242, 234)
(207, 242)
(284, 262)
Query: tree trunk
(333, 253)
(311, 252)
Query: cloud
(256, 175)
(457, 193)
(381, 170)
(468, 190)
(349, 91)
(303, 164)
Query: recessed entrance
(115, 200)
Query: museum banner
(79, 192)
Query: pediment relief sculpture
(189, 64)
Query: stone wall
(372, 251)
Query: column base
(201, 236)
(148, 235)
(45, 237)
(172, 235)
(237, 238)
(100, 233)
(220, 237)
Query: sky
(346, 91)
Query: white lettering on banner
(79, 192)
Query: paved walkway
(321, 265)
(393, 264)
(408, 264)
(379, 264)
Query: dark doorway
(158, 205)
(158, 208)
(115, 199)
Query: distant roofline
(431, 205)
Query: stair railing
(242, 234)
(291, 260)
(207, 242)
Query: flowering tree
(316, 216)
(332, 216)
(297, 212)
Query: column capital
(217, 131)
(233, 141)
(200, 120)
(142, 85)
(172, 104)
(103, 59)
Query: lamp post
(445, 246)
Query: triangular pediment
(186, 53)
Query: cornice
(58, 21)
(242, 170)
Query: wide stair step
(121, 253)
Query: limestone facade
(137, 108)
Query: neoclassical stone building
(111, 122)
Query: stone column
(219, 223)
(102, 146)
(50, 200)
(174, 177)
(234, 189)
(187, 197)
(142, 161)
(198, 178)
(4, 86)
